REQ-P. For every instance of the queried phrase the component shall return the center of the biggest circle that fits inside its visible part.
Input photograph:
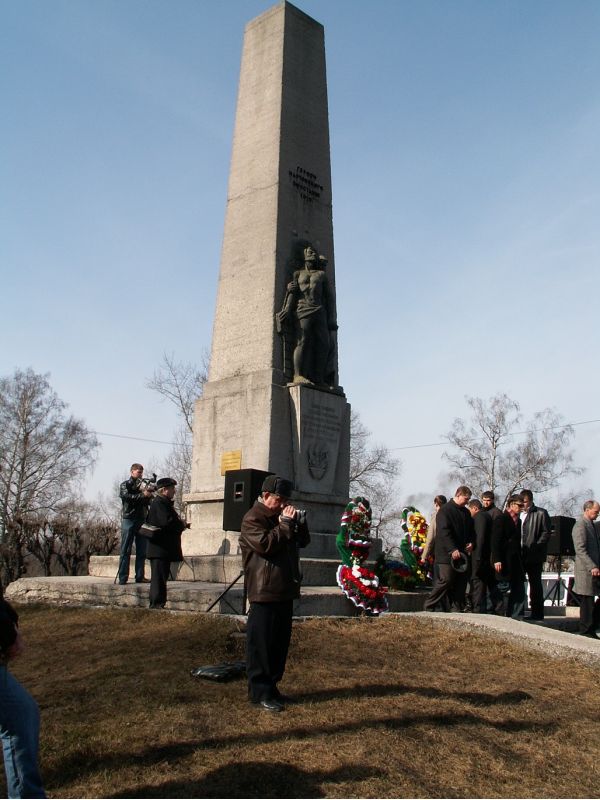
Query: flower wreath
(358, 583)
(407, 570)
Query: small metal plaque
(232, 459)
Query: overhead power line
(513, 433)
(133, 438)
(403, 447)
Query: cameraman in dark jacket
(165, 545)
(271, 535)
(135, 497)
(19, 715)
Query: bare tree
(40, 541)
(82, 529)
(370, 464)
(77, 530)
(495, 450)
(569, 502)
(373, 473)
(181, 384)
(42, 453)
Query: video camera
(148, 484)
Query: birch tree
(44, 453)
(495, 449)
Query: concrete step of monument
(222, 569)
(86, 590)
(201, 543)
(322, 545)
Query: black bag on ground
(221, 672)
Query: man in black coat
(483, 579)
(488, 500)
(506, 556)
(535, 532)
(165, 545)
(271, 536)
(453, 540)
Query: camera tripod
(553, 593)
(224, 592)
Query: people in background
(135, 497)
(165, 545)
(453, 540)
(586, 540)
(535, 532)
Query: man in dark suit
(506, 556)
(535, 532)
(483, 579)
(488, 502)
(453, 539)
(586, 539)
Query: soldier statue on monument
(308, 319)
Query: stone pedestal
(307, 440)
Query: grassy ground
(389, 708)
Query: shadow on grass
(254, 779)
(85, 762)
(390, 690)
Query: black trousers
(589, 614)
(268, 635)
(483, 583)
(158, 581)
(449, 587)
(536, 589)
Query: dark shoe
(122, 583)
(591, 635)
(270, 705)
(533, 618)
(143, 580)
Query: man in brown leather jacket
(270, 538)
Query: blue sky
(466, 187)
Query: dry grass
(390, 708)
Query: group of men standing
(492, 550)
(495, 552)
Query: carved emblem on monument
(318, 460)
(308, 325)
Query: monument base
(315, 422)
(226, 543)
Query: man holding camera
(271, 534)
(135, 496)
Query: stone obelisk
(273, 400)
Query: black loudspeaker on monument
(560, 542)
(242, 487)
